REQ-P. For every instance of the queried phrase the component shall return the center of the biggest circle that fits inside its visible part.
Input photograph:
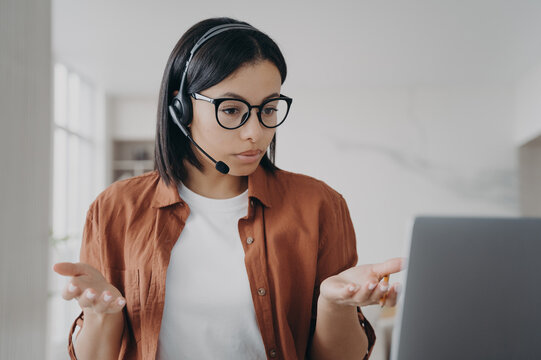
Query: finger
(116, 305)
(70, 269)
(349, 290)
(337, 289)
(71, 291)
(107, 303)
(366, 294)
(379, 292)
(367, 291)
(384, 283)
(390, 266)
(370, 287)
(87, 298)
(375, 285)
(392, 295)
(386, 298)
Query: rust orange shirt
(297, 233)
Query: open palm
(363, 285)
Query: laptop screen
(472, 290)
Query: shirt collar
(258, 187)
(165, 195)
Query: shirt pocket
(127, 282)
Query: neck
(210, 183)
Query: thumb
(390, 266)
(70, 269)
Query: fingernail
(72, 288)
(397, 288)
(121, 302)
(90, 295)
(383, 287)
(351, 288)
(372, 286)
(107, 297)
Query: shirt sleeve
(90, 253)
(337, 252)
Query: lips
(249, 157)
(250, 153)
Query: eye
(230, 111)
(269, 110)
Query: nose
(252, 129)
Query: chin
(243, 169)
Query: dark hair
(215, 60)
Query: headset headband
(206, 36)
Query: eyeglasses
(232, 113)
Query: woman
(229, 258)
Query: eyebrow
(237, 96)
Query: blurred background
(406, 108)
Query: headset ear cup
(177, 105)
(186, 105)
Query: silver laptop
(472, 290)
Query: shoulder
(138, 190)
(310, 203)
(136, 187)
(304, 187)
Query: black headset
(182, 103)
(181, 107)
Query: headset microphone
(220, 165)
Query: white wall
(133, 118)
(102, 160)
(530, 178)
(528, 106)
(528, 139)
(398, 152)
(25, 146)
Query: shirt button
(261, 291)
(272, 353)
(250, 240)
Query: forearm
(338, 334)
(100, 337)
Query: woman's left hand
(363, 285)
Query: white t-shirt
(209, 312)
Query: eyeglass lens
(232, 113)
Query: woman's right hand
(94, 294)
